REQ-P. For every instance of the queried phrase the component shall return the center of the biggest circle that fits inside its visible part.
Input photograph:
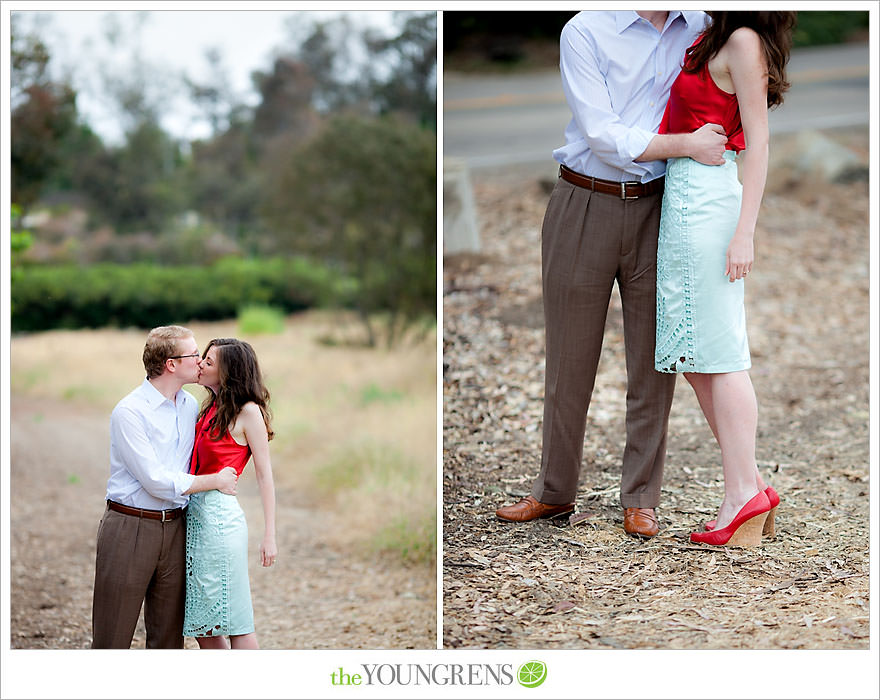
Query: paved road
(499, 120)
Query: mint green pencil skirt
(218, 593)
(701, 318)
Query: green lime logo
(531, 674)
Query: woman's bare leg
(731, 409)
(244, 641)
(212, 642)
(702, 386)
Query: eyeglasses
(180, 357)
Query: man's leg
(649, 393)
(579, 259)
(166, 595)
(126, 558)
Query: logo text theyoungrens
(425, 674)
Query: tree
(138, 89)
(214, 96)
(411, 86)
(334, 54)
(362, 69)
(224, 179)
(44, 113)
(143, 186)
(285, 108)
(362, 196)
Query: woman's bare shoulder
(742, 51)
(250, 420)
(744, 40)
(250, 410)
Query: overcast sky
(172, 42)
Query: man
(142, 536)
(601, 225)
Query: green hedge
(144, 295)
(815, 28)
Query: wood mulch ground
(557, 585)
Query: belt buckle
(623, 195)
(163, 516)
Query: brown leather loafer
(640, 522)
(530, 508)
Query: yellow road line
(503, 100)
(507, 99)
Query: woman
(731, 75)
(233, 424)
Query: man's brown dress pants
(591, 239)
(139, 562)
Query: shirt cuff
(635, 143)
(183, 482)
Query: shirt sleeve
(587, 94)
(129, 437)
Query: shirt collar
(625, 18)
(153, 396)
(694, 18)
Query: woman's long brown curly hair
(240, 381)
(775, 30)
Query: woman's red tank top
(210, 456)
(696, 100)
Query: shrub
(144, 296)
(257, 318)
(815, 28)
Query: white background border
(301, 674)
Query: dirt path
(321, 594)
(556, 585)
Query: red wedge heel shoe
(744, 530)
(770, 523)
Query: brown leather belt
(624, 190)
(162, 515)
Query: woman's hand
(268, 551)
(740, 256)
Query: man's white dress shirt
(617, 70)
(151, 443)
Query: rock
(812, 155)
